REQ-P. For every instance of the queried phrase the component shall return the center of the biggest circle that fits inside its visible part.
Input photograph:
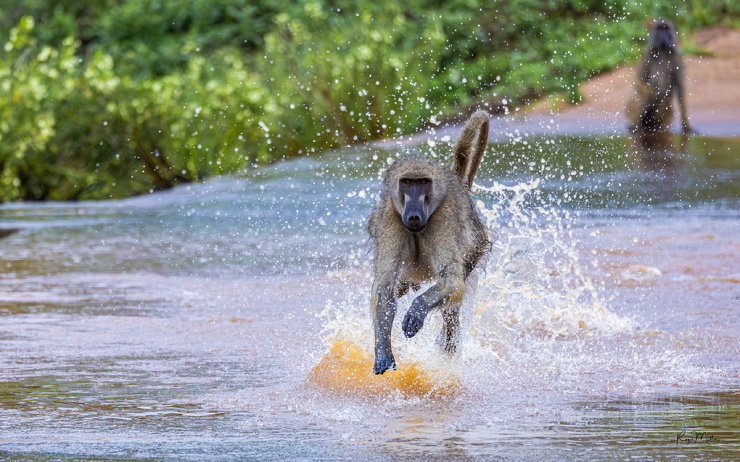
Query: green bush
(363, 77)
(106, 98)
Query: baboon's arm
(449, 290)
(384, 311)
(384, 304)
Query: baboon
(660, 76)
(425, 228)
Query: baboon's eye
(423, 181)
(406, 181)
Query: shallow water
(230, 320)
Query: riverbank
(713, 91)
(713, 100)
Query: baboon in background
(425, 227)
(659, 77)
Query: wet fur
(446, 252)
(660, 78)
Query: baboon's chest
(660, 78)
(417, 263)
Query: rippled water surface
(230, 320)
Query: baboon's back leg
(449, 337)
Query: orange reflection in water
(346, 369)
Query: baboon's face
(663, 36)
(415, 194)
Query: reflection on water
(230, 319)
(657, 151)
(343, 370)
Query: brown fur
(465, 166)
(660, 77)
(446, 251)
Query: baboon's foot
(383, 362)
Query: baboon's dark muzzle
(414, 216)
(664, 38)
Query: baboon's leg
(449, 338)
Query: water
(230, 320)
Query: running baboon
(425, 227)
(659, 77)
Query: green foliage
(363, 77)
(32, 80)
(108, 98)
(78, 132)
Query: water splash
(533, 325)
(346, 368)
(535, 281)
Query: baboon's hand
(414, 319)
(383, 362)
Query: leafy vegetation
(106, 99)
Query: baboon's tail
(466, 163)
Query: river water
(230, 320)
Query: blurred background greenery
(107, 99)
